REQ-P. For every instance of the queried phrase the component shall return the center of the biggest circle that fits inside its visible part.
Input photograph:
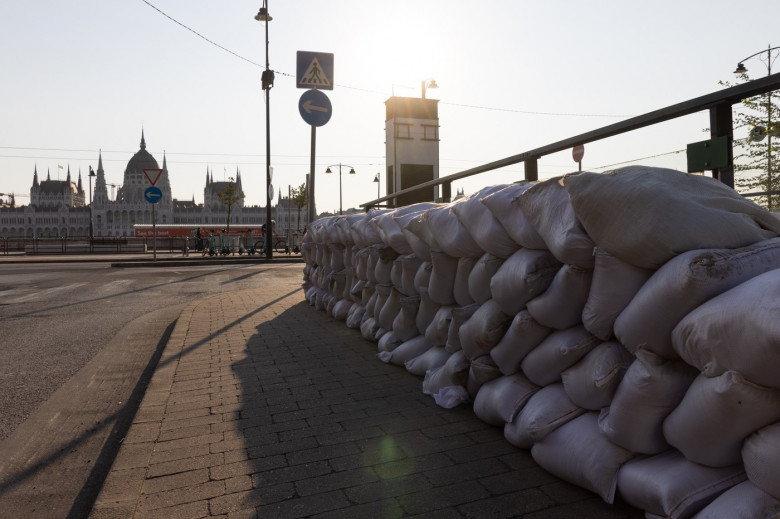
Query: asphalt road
(77, 343)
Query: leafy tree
(229, 195)
(755, 157)
(300, 198)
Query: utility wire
(528, 112)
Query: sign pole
(312, 205)
(154, 232)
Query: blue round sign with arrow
(153, 194)
(315, 108)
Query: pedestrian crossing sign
(314, 70)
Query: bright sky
(86, 75)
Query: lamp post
(91, 230)
(263, 17)
(741, 69)
(351, 172)
(376, 179)
(428, 83)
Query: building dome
(135, 182)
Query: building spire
(100, 161)
(143, 141)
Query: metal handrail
(716, 100)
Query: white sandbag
(405, 323)
(761, 455)
(368, 328)
(503, 205)
(459, 316)
(560, 306)
(524, 334)
(683, 284)
(668, 485)
(341, 309)
(397, 276)
(331, 303)
(482, 370)
(410, 265)
(738, 330)
(349, 252)
(483, 330)
(363, 232)
(361, 264)
(558, 351)
(480, 276)
(406, 351)
(417, 225)
(369, 298)
(454, 372)
(451, 235)
(388, 342)
(434, 357)
(355, 316)
(390, 231)
(592, 382)
(356, 291)
(419, 246)
(650, 390)
(451, 396)
(437, 331)
(483, 227)
(742, 501)
(547, 206)
(383, 263)
(663, 212)
(442, 282)
(578, 453)
(545, 411)
(717, 414)
(336, 259)
(422, 277)
(383, 293)
(614, 285)
(523, 276)
(426, 312)
(390, 309)
(460, 288)
(499, 400)
(337, 284)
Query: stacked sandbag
(622, 326)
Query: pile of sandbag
(622, 326)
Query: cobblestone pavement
(262, 406)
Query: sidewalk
(262, 406)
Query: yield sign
(152, 175)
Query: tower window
(403, 131)
(430, 132)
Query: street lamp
(351, 172)
(428, 83)
(91, 232)
(263, 17)
(376, 179)
(741, 69)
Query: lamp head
(431, 84)
(351, 171)
(262, 15)
(740, 69)
(328, 171)
(376, 178)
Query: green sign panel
(707, 155)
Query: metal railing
(721, 124)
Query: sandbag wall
(624, 327)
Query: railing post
(721, 125)
(446, 192)
(531, 169)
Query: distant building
(60, 208)
(412, 148)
